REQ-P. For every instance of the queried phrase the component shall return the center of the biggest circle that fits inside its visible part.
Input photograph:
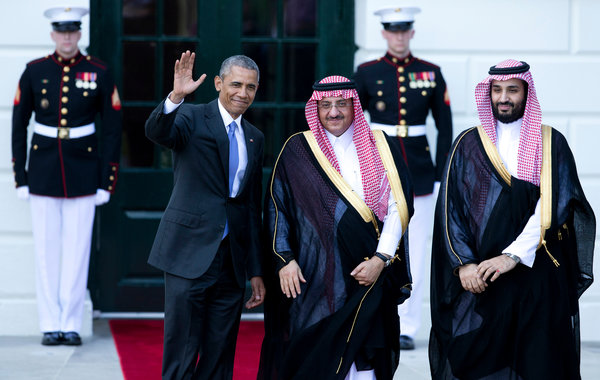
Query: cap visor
(398, 26)
(66, 26)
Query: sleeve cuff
(388, 243)
(526, 259)
(170, 106)
(282, 259)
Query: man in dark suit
(208, 238)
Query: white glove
(102, 197)
(23, 193)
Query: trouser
(202, 318)
(419, 231)
(62, 232)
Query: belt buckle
(64, 133)
(402, 130)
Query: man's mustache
(505, 104)
(339, 117)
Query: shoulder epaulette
(96, 62)
(427, 63)
(369, 63)
(38, 60)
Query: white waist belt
(400, 130)
(64, 132)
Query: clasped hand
(290, 276)
(368, 271)
(473, 277)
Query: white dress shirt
(507, 143)
(239, 136)
(347, 157)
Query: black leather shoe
(406, 343)
(52, 338)
(71, 338)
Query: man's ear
(218, 83)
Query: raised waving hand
(183, 82)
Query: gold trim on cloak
(338, 181)
(494, 156)
(352, 197)
(449, 165)
(393, 177)
(273, 199)
(546, 189)
(545, 178)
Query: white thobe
(507, 143)
(347, 157)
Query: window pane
(294, 120)
(277, 125)
(264, 119)
(139, 17)
(172, 52)
(259, 18)
(265, 56)
(180, 18)
(299, 18)
(298, 71)
(139, 71)
(137, 150)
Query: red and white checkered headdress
(529, 162)
(375, 185)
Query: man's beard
(516, 113)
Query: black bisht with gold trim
(311, 217)
(525, 325)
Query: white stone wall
(25, 35)
(558, 38)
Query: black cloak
(525, 325)
(310, 216)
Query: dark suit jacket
(192, 226)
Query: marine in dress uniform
(399, 90)
(67, 175)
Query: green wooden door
(294, 43)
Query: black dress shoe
(406, 343)
(52, 338)
(71, 338)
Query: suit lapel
(214, 123)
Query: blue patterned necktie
(234, 158)
(234, 161)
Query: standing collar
(345, 139)
(509, 129)
(67, 61)
(514, 125)
(399, 61)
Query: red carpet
(140, 343)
